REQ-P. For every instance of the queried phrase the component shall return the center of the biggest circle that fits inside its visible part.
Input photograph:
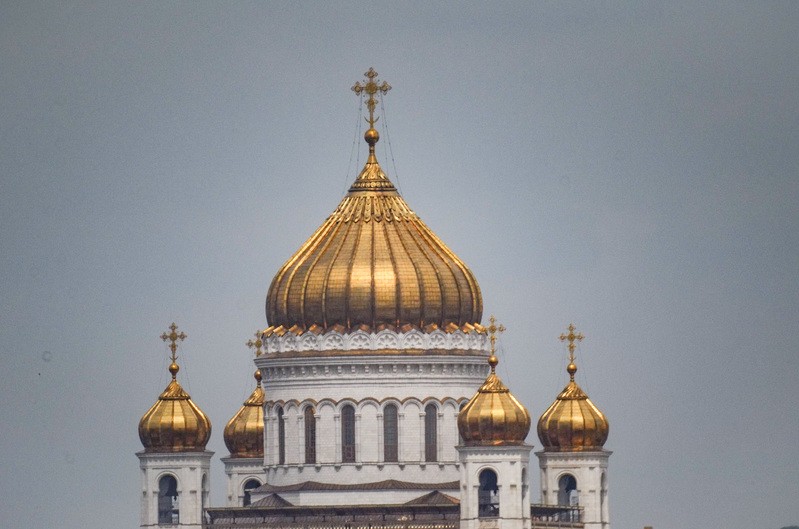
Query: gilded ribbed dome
(373, 264)
(174, 423)
(572, 423)
(493, 416)
(244, 433)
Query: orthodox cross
(173, 336)
(256, 344)
(571, 337)
(371, 87)
(493, 329)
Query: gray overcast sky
(631, 168)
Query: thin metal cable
(396, 177)
(347, 178)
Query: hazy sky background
(631, 168)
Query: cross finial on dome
(173, 336)
(371, 87)
(493, 329)
(571, 338)
(256, 344)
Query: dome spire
(493, 329)
(174, 423)
(572, 423)
(244, 432)
(571, 337)
(173, 337)
(493, 416)
(371, 86)
(373, 264)
(256, 344)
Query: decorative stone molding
(461, 367)
(382, 340)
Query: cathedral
(376, 399)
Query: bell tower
(494, 458)
(174, 463)
(574, 464)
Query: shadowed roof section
(273, 500)
(434, 498)
(389, 484)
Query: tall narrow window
(348, 434)
(310, 436)
(603, 495)
(168, 512)
(249, 486)
(390, 434)
(567, 490)
(460, 409)
(203, 496)
(431, 433)
(488, 495)
(281, 438)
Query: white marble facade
(589, 470)
(367, 377)
(190, 470)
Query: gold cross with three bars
(493, 329)
(256, 344)
(571, 337)
(371, 87)
(173, 336)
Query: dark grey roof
(389, 484)
(273, 500)
(434, 498)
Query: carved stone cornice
(386, 341)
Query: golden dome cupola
(493, 416)
(174, 423)
(572, 423)
(373, 264)
(244, 433)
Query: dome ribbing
(244, 433)
(174, 423)
(373, 264)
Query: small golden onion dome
(174, 423)
(244, 433)
(493, 416)
(573, 423)
(373, 264)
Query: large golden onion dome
(244, 433)
(572, 423)
(174, 423)
(493, 416)
(373, 264)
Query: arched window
(203, 496)
(524, 482)
(430, 433)
(460, 409)
(488, 495)
(603, 496)
(249, 486)
(281, 438)
(168, 512)
(390, 434)
(567, 490)
(348, 434)
(310, 435)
